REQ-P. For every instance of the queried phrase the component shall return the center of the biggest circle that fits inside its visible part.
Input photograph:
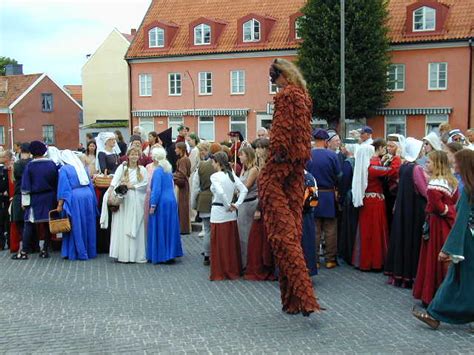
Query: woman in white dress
(127, 243)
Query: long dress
(80, 205)
(181, 179)
(127, 237)
(350, 214)
(405, 236)
(371, 243)
(441, 214)
(163, 238)
(245, 216)
(454, 301)
(150, 168)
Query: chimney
(133, 31)
(14, 69)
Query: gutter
(469, 103)
(11, 129)
(130, 117)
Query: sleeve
(218, 190)
(454, 245)
(64, 189)
(379, 171)
(420, 180)
(280, 142)
(242, 190)
(337, 170)
(195, 189)
(141, 185)
(180, 175)
(346, 180)
(156, 187)
(435, 200)
(117, 176)
(102, 162)
(26, 187)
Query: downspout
(469, 104)
(130, 97)
(11, 128)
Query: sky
(54, 36)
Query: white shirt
(222, 189)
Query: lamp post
(342, 118)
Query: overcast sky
(54, 36)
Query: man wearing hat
(167, 142)
(366, 135)
(38, 188)
(324, 166)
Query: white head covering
(456, 132)
(103, 137)
(158, 154)
(72, 159)
(401, 142)
(53, 153)
(412, 149)
(360, 179)
(433, 139)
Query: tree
(3, 63)
(367, 57)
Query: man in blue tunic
(324, 166)
(38, 188)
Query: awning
(415, 111)
(191, 112)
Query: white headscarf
(412, 149)
(72, 159)
(54, 154)
(103, 137)
(401, 142)
(158, 154)
(433, 139)
(360, 179)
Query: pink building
(205, 64)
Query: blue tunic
(40, 181)
(324, 166)
(80, 205)
(163, 240)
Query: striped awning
(191, 112)
(415, 111)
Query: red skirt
(430, 273)
(260, 265)
(372, 238)
(226, 262)
(15, 237)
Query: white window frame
(173, 78)
(207, 122)
(240, 78)
(394, 119)
(297, 27)
(435, 119)
(146, 123)
(203, 76)
(145, 85)
(255, 36)
(50, 129)
(437, 87)
(233, 121)
(174, 122)
(47, 102)
(271, 86)
(201, 40)
(424, 14)
(2, 135)
(397, 68)
(155, 36)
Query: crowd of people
(385, 205)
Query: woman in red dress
(442, 196)
(367, 187)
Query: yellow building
(105, 81)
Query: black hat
(166, 137)
(38, 148)
(366, 129)
(135, 137)
(25, 147)
(320, 134)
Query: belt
(250, 199)
(218, 204)
(375, 195)
(326, 190)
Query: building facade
(205, 64)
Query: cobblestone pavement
(57, 306)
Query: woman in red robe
(367, 187)
(442, 196)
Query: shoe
(44, 254)
(425, 318)
(201, 234)
(206, 261)
(331, 265)
(20, 256)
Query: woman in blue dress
(77, 199)
(164, 240)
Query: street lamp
(342, 118)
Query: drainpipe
(11, 128)
(130, 97)
(469, 107)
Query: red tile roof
(15, 85)
(459, 24)
(75, 91)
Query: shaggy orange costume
(281, 193)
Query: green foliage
(113, 124)
(3, 63)
(367, 57)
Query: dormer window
(252, 30)
(424, 19)
(156, 37)
(298, 27)
(202, 34)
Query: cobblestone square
(98, 306)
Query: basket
(57, 224)
(103, 181)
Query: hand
(257, 215)
(152, 209)
(60, 208)
(443, 257)
(233, 208)
(130, 186)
